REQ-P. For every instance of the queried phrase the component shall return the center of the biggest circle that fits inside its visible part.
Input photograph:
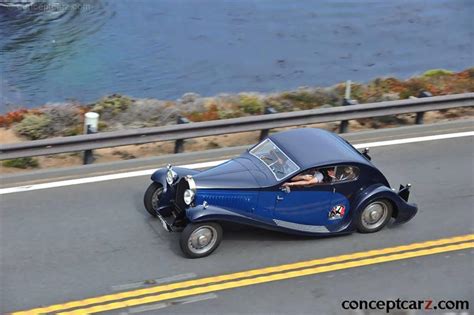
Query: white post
(91, 125)
(346, 101)
(91, 120)
(347, 95)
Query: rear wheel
(152, 198)
(374, 216)
(200, 239)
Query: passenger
(311, 179)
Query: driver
(348, 173)
(311, 179)
(280, 166)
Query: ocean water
(53, 51)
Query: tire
(194, 248)
(152, 198)
(374, 216)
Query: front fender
(159, 176)
(200, 213)
(402, 210)
(169, 191)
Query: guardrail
(234, 125)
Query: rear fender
(404, 192)
(402, 210)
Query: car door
(344, 186)
(304, 205)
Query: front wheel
(200, 239)
(374, 216)
(152, 198)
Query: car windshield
(275, 159)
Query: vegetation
(436, 73)
(12, 117)
(22, 163)
(252, 105)
(119, 112)
(112, 105)
(34, 126)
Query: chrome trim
(174, 175)
(302, 227)
(202, 239)
(192, 196)
(166, 226)
(192, 184)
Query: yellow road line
(270, 278)
(243, 274)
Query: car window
(312, 177)
(324, 176)
(275, 159)
(327, 174)
(346, 173)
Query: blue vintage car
(303, 181)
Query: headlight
(171, 176)
(188, 196)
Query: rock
(189, 98)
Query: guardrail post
(419, 116)
(91, 125)
(264, 133)
(344, 126)
(179, 144)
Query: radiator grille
(179, 200)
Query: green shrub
(413, 87)
(23, 163)
(251, 104)
(308, 99)
(298, 96)
(73, 131)
(102, 125)
(436, 73)
(112, 105)
(358, 92)
(64, 120)
(34, 126)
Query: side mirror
(365, 152)
(285, 189)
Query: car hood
(239, 173)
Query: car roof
(310, 147)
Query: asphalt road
(75, 242)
